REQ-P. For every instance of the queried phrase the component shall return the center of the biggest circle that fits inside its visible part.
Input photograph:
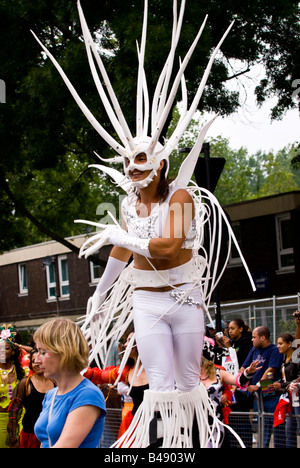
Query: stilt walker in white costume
(167, 288)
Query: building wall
(36, 304)
(257, 222)
(259, 247)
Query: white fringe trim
(197, 405)
(178, 412)
(115, 316)
(137, 435)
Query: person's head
(208, 368)
(33, 365)
(236, 329)
(11, 339)
(285, 343)
(8, 340)
(138, 175)
(261, 337)
(128, 339)
(61, 347)
(212, 328)
(144, 162)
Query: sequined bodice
(153, 225)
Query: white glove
(121, 238)
(94, 303)
(112, 271)
(114, 234)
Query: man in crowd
(271, 360)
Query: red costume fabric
(106, 376)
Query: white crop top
(152, 226)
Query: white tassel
(197, 408)
(116, 310)
(167, 405)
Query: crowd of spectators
(28, 374)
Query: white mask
(152, 162)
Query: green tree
(46, 143)
(235, 181)
(296, 158)
(279, 177)
(246, 177)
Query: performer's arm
(108, 375)
(15, 413)
(242, 378)
(181, 214)
(117, 261)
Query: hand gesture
(254, 366)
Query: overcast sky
(251, 127)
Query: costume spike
(116, 159)
(188, 166)
(141, 77)
(147, 107)
(117, 176)
(177, 134)
(164, 81)
(184, 103)
(98, 127)
(142, 122)
(118, 122)
(172, 95)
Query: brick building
(40, 281)
(44, 280)
(268, 233)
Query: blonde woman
(73, 414)
(215, 380)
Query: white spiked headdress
(149, 123)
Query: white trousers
(169, 338)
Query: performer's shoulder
(179, 194)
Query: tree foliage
(46, 142)
(245, 176)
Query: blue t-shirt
(86, 393)
(269, 357)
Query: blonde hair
(63, 337)
(209, 367)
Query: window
(51, 280)
(58, 289)
(23, 285)
(96, 272)
(284, 237)
(63, 276)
